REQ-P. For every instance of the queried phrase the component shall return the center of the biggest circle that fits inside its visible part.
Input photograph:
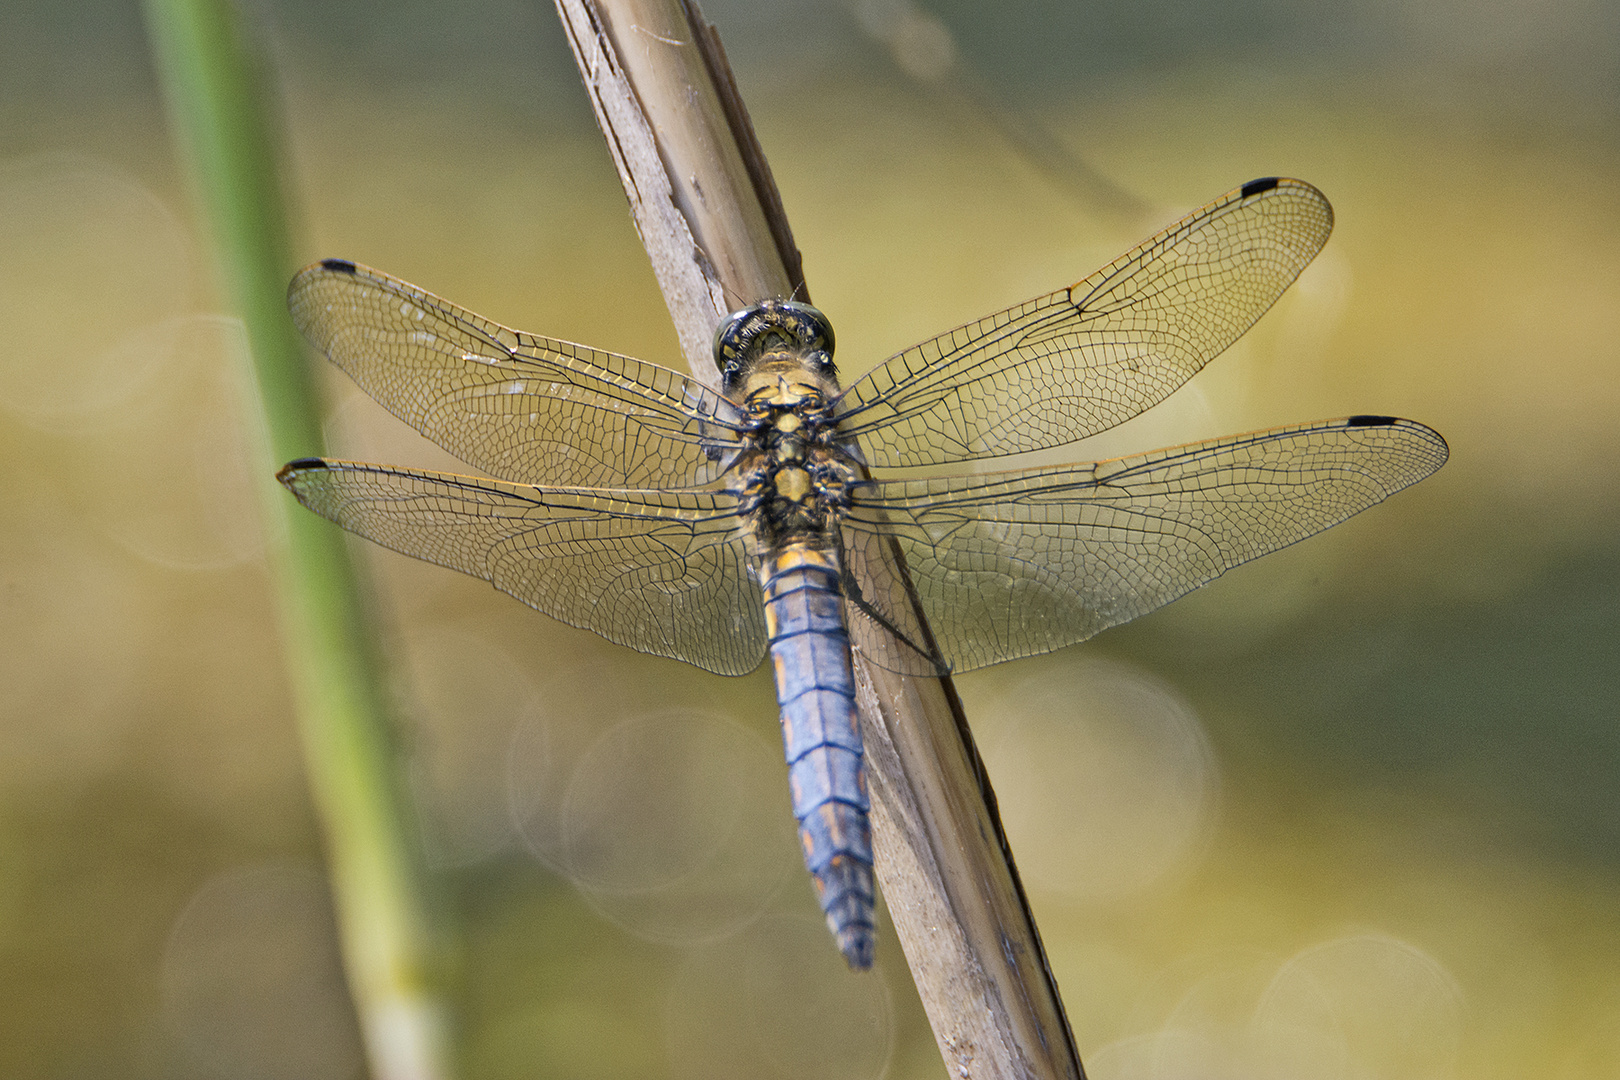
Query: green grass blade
(216, 94)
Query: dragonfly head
(773, 330)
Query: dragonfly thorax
(794, 478)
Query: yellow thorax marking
(783, 384)
(793, 484)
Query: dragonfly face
(716, 527)
(773, 328)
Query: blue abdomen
(815, 687)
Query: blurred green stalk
(217, 99)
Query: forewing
(527, 409)
(662, 572)
(1080, 360)
(1021, 563)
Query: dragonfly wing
(663, 572)
(1080, 360)
(882, 608)
(525, 408)
(1020, 563)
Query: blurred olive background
(1351, 812)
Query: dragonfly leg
(852, 590)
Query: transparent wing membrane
(1083, 359)
(619, 534)
(1021, 563)
(524, 408)
(663, 572)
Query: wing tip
(298, 466)
(1287, 184)
(1437, 442)
(301, 280)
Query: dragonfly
(719, 526)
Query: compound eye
(729, 339)
(744, 333)
(809, 325)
